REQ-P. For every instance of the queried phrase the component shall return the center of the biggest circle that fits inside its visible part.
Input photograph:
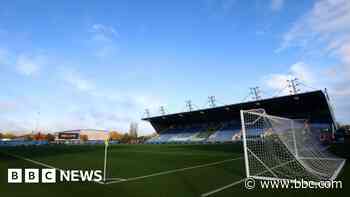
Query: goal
(281, 148)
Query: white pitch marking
(238, 182)
(222, 188)
(105, 162)
(40, 163)
(121, 179)
(172, 153)
(173, 171)
(33, 161)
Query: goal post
(282, 148)
(246, 161)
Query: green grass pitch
(172, 170)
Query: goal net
(282, 148)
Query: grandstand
(222, 124)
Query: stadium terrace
(223, 124)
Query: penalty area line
(174, 171)
(120, 179)
(40, 163)
(240, 181)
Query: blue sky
(93, 64)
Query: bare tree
(133, 129)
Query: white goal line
(174, 171)
(240, 181)
(321, 158)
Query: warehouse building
(76, 136)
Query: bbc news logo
(33, 175)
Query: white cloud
(344, 52)
(105, 31)
(111, 110)
(75, 79)
(276, 5)
(90, 105)
(81, 83)
(330, 16)
(106, 109)
(98, 109)
(29, 65)
(327, 23)
(302, 72)
(104, 40)
(278, 81)
(16, 114)
(8, 125)
(312, 78)
(325, 30)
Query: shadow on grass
(48, 150)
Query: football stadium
(206, 152)
(132, 98)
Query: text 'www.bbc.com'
(251, 183)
